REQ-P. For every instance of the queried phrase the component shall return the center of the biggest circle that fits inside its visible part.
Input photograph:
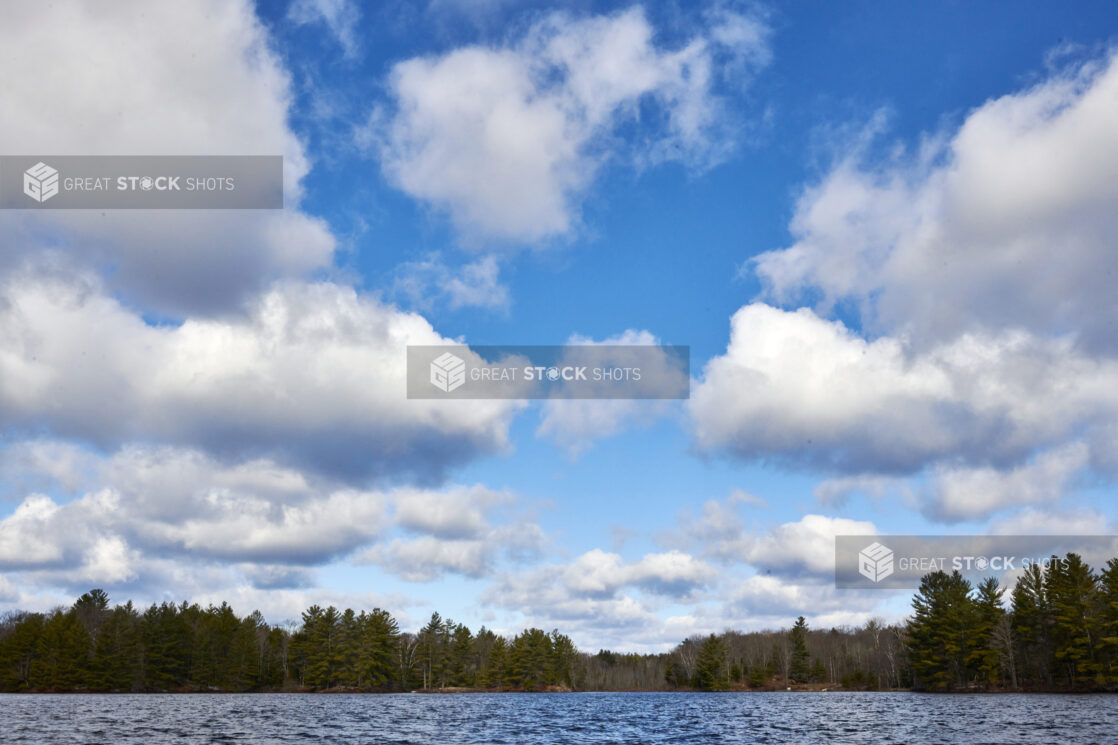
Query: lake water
(563, 719)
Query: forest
(1056, 631)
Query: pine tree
(1072, 588)
(798, 669)
(710, 666)
(529, 664)
(941, 631)
(1108, 621)
(1032, 626)
(985, 656)
(461, 654)
(496, 671)
(564, 660)
(63, 654)
(380, 636)
(117, 651)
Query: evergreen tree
(496, 671)
(986, 655)
(1032, 626)
(710, 666)
(529, 664)
(1073, 592)
(1108, 622)
(941, 631)
(432, 652)
(117, 651)
(799, 670)
(379, 639)
(63, 654)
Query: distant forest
(1059, 633)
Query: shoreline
(481, 691)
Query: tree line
(1060, 632)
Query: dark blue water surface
(567, 719)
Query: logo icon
(448, 372)
(875, 562)
(40, 182)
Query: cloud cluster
(982, 355)
(151, 512)
(313, 374)
(797, 388)
(174, 79)
(575, 424)
(1006, 222)
(507, 139)
(600, 596)
(459, 530)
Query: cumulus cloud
(313, 373)
(173, 79)
(464, 530)
(152, 516)
(575, 424)
(979, 266)
(970, 493)
(799, 389)
(1005, 222)
(599, 598)
(1046, 521)
(764, 601)
(507, 139)
(459, 512)
(836, 492)
(210, 513)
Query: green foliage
(985, 654)
(1060, 633)
(799, 669)
(941, 634)
(710, 668)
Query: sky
(885, 231)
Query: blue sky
(884, 230)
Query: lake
(566, 719)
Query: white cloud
(804, 547)
(473, 285)
(1006, 222)
(43, 465)
(1045, 521)
(968, 493)
(507, 139)
(741, 496)
(763, 601)
(575, 424)
(837, 491)
(796, 388)
(601, 600)
(465, 530)
(157, 517)
(339, 16)
(211, 513)
(173, 79)
(313, 372)
(459, 512)
(427, 558)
